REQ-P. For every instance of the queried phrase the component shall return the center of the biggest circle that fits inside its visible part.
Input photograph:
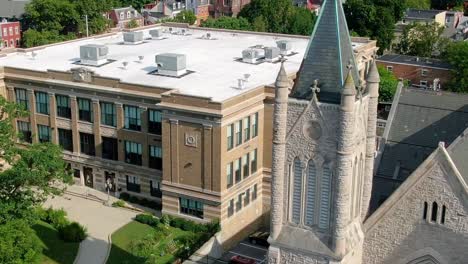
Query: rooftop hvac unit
(133, 38)
(171, 64)
(93, 54)
(250, 55)
(272, 54)
(156, 33)
(285, 47)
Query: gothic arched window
(311, 193)
(325, 197)
(297, 191)
(442, 218)
(434, 212)
(425, 211)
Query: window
(85, 110)
(425, 211)
(424, 72)
(133, 183)
(423, 83)
(311, 193)
(155, 157)
(253, 161)
(155, 189)
(76, 173)
(24, 130)
(254, 192)
(390, 68)
(10, 29)
(132, 118)
(22, 98)
(238, 129)
(191, 207)
(129, 14)
(237, 170)
(442, 218)
(239, 202)
(297, 191)
(246, 165)
(229, 175)
(434, 212)
(154, 121)
(63, 106)
(247, 197)
(231, 208)
(87, 144)
(122, 15)
(5, 32)
(230, 137)
(246, 129)
(65, 139)
(133, 153)
(110, 149)
(16, 30)
(44, 133)
(42, 103)
(325, 192)
(255, 125)
(108, 115)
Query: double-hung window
(110, 148)
(132, 117)
(247, 197)
(155, 189)
(254, 192)
(229, 178)
(65, 139)
(230, 136)
(255, 125)
(108, 115)
(238, 130)
(42, 103)
(85, 109)
(133, 183)
(44, 133)
(246, 165)
(237, 170)
(191, 207)
(253, 161)
(154, 121)
(24, 129)
(155, 157)
(87, 144)
(63, 106)
(246, 129)
(239, 202)
(231, 208)
(22, 98)
(133, 153)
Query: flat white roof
(216, 72)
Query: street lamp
(108, 188)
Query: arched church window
(434, 212)
(442, 218)
(311, 193)
(325, 193)
(425, 211)
(297, 188)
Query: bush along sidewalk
(68, 231)
(155, 205)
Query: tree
(275, 13)
(132, 24)
(388, 85)
(227, 23)
(19, 243)
(445, 4)
(424, 40)
(97, 23)
(419, 4)
(33, 38)
(302, 21)
(137, 4)
(259, 24)
(186, 16)
(457, 55)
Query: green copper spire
(327, 57)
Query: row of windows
(424, 72)
(133, 150)
(191, 207)
(133, 185)
(132, 114)
(10, 29)
(129, 14)
(318, 181)
(243, 199)
(241, 168)
(434, 212)
(242, 131)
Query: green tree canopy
(419, 4)
(227, 23)
(445, 4)
(457, 55)
(186, 16)
(423, 40)
(388, 85)
(19, 243)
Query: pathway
(100, 220)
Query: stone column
(120, 125)
(207, 157)
(279, 152)
(373, 80)
(97, 128)
(343, 173)
(32, 115)
(144, 130)
(74, 125)
(53, 118)
(174, 150)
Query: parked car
(241, 260)
(260, 238)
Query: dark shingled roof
(329, 53)
(422, 14)
(422, 120)
(459, 154)
(413, 60)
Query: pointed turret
(348, 94)
(373, 76)
(327, 56)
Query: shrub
(119, 203)
(57, 218)
(125, 196)
(73, 232)
(19, 243)
(166, 220)
(41, 213)
(147, 219)
(134, 199)
(213, 227)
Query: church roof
(327, 57)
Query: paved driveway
(100, 220)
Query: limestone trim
(421, 254)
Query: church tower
(323, 150)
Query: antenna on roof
(246, 77)
(141, 58)
(125, 63)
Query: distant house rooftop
(12, 8)
(413, 60)
(417, 14)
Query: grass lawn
(122, 240)
(55, 251)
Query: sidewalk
(100, 220)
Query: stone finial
(282, 81)
(373, 76)
(315, 89)
(349, 87)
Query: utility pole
(87, 30)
